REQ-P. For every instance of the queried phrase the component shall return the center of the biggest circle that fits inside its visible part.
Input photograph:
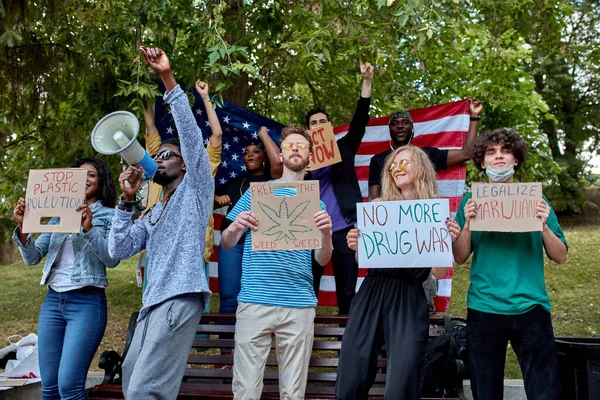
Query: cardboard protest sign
(285, 221)
(404, 234)
(325, 150)
(54, 193)
(506, 207)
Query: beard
(162, 178)
(296, 163)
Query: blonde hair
(425, 186)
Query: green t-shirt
(507, 271)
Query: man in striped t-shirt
(277, 296)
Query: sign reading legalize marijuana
(506, 207)
(407, 233)
(286, 215)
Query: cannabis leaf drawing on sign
(284, 221)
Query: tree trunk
(7, 252)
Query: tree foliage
(534, 63)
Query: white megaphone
(116, 133)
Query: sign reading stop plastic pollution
(54, 193)
(325, 149)
(404, 234)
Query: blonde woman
(391, 307)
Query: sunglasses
(290, 145)
(165, 154)
(400, 166)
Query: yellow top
(214, 158)
(153, 142)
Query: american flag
(443, 126)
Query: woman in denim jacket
(73, 317)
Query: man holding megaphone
(172, 231)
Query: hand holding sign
(352, 239)
(470, 212)
(86, 217)
(543, 211)
(323, 221)
(453, 228)
(19, 212)
(244, 221)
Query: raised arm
(358, 125)
(153, 140)
(216, 138)
(272, 153)
(458, 156)
(192, 148)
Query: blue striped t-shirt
(280, 278)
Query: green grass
(573, 289)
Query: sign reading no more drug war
(54, 193)
(286, 215)
(404, 234)
(506, 207)
(325, 150)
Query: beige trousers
(255, 327)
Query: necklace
(152, 219)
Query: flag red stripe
(453, 173)
(439, 140)
(440, 111)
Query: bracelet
(475, 118)
(128, 205)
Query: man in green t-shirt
(507, 298)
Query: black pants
(345, 270)
(391, 311)
(532, 339)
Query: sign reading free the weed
(286, 215)
(54, 193)
(403, 234)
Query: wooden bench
(203, 381)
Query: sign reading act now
(404, 234)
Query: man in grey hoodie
(173, 232)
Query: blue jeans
(230, 282)
(230, 278)
(532, 338)
(70, 328)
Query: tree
(565, 64)
(534, 63)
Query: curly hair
(296, 130)
(425, 186)
(107, 192)
(507, 138)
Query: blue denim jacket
(90, 249)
